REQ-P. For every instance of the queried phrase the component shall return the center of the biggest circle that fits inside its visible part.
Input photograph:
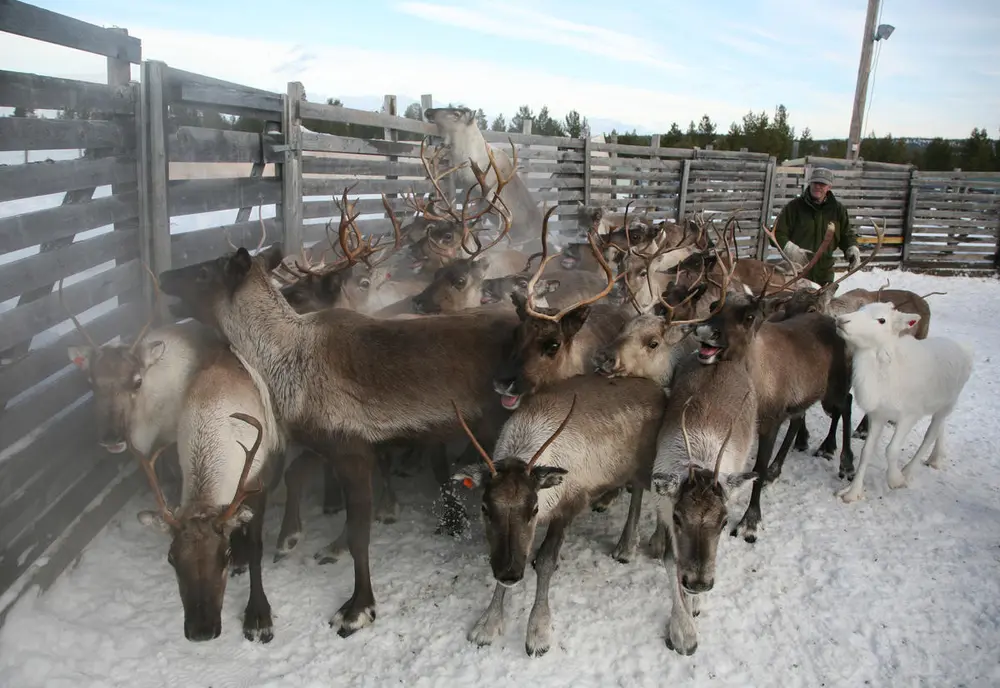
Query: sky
(624, 64)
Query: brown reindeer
(551, 345)
(548, 477)
(341, 381)
(792, 363)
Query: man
(802, 223)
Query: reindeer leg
(802, 437)
(774, 468)
(893, 476)
(546, 562)
(291, 520)
(861, 432)
(846, 452)
(354, 468)
(933, 436)
(853, 492)
(628, 543)
(257, 624)
(333, 498)
(659, 541)
(388, 504)
(765, 446)
(490, 624)
(240, 548)
(682, 634)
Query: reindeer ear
(574, 320)
(904, 321)
(471, 477)
(271, 256)
(151, 352)
(667, 484)
(239, 265)
(80, 356)
(548, 476)
(240, 518)
(153, 519)
(735, 484)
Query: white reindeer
(901, 379)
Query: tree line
(755, 132)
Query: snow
(898, 588)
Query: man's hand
(853, 256)
(796, 253)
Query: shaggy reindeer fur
(901, 379)
(608, 441)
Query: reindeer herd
(650, 359)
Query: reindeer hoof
(237, 570)
(348, 623)
(687, 652)
(535, 651)
(824, 453)
(258, 627)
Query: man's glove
(853, 256)
(797, 254)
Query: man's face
(818, 190)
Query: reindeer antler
(152, 313)
(241, 489)
(546, 258)
(354, 247)
(820, 250)
(76, 323)
(552, 438)
(727, 276)
(475, 442)
(148, 465)
(879, 237)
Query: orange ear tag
(468, 483)
(78, 361)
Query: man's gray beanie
(821, 175)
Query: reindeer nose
(604, 361)
(199, 633)
(509, 578)
(418, 305)
(697, 586)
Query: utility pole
(861, 89)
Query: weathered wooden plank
(95, 516)
(544, 166)
(19, 89)
(316, 209)
(39, 364)
(26, 321)
(176, 80)
(51, 176)
(701, 185)
(552, 196)
(553, 183)
(188, 196)
(337, 113)
(32, 272)
(31, 229)
(16, 559)
(958, 214)
(642, 175)
(335, 187)
(550, 155)
(193, 247)
(200, 144)
(29, 133)
(44, 25)
(701, 165)
(156, 222)
(504, 139)
(231, 100)
(331, 143)
(312, 164)
(972, 198)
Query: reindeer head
(438, 247)
(874, 325)
(455, 287)
(200, 544)
(577, 256)
(803, 301)
(450, 119)
(510, 502)
(642, 349)
(115, 373)
(496, 289)
(697, 500)
(315, 291)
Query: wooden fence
(147, 189)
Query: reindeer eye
(551, 348)
(486, 512)
(534, 512)
(881, 321)
(750, 317)
(136, 382)
(653, 343)
(460, 282)
(642, 273)
(170, 558)
(365, 283)
(725, 522)
(522, 284)
(677, 520)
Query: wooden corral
(146, 191)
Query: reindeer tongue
(510, 401)
(705, 351)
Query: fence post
(389, 107)
(683, 191)
(612, 159)
(291, 170)
(911, 212)
(586, 166)
(652, 171)
(426, 102)
(156, 233)
(765, 208)
(526, 125)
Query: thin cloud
(523, 24)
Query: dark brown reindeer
(793, 364)
(547, 472)
(551, 345)
(341, 381)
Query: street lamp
(884, 31)
(870, 36)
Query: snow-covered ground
(898, 589)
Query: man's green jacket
(803, 222)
